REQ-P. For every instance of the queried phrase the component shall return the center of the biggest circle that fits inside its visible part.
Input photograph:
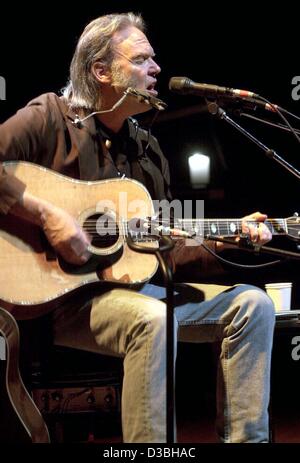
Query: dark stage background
(229, 45)
(220, 45)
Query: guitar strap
(146, 163)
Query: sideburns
(119, 78)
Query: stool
(77, 392)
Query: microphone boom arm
(216, 110)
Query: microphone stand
(165, 244)
(216, 110)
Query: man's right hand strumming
(61, 229)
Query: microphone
(186, 86)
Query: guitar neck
(201, 227)
(226, 227)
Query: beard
(120, 79)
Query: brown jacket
(45, 132)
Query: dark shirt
(116, 151)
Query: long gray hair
(95, 44)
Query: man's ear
(101, 72)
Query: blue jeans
(132, 325)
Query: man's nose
(155, 67)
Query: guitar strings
(204, 224)
(199, 221)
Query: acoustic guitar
(34, 280)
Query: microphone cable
(267, 122)
(279, 112)
(240, 266)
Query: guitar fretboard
(226, 227)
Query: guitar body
(20, 419)
(33, 279)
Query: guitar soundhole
(103, 230)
